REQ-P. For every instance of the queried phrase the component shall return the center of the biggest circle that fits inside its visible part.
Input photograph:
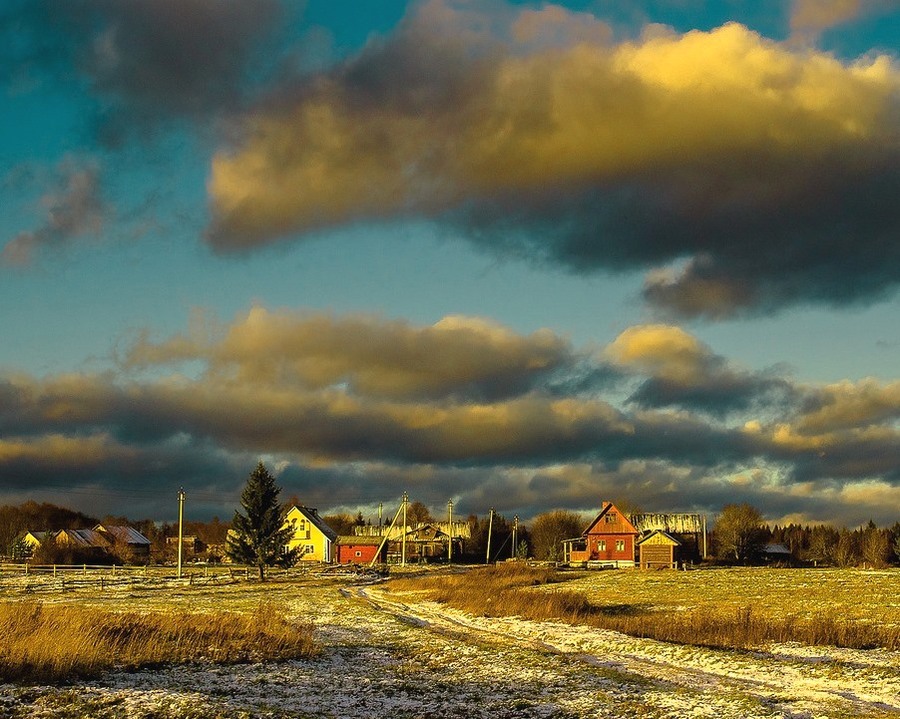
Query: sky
(519, 255)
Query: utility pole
(704, 536)
(487, 558)
(180, 529)
(515, 536)
(403, 541)
(450, 521)
(380, 508)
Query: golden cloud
(374, 356)
(852, 404)
(507, 121)
(663, 350)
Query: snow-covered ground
(388, 655)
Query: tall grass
(52, 642)
(509, 590)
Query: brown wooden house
(609, 540)
(658, 550)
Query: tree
(417, 513)
(846, 552)
(739, 532)
(549, 529)
(875, 546)
(259, 537)
(342, 524)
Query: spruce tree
(259, 537)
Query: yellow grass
(542, 594)
(50, 642)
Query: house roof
(128, 535)
(84, 537)
(359, 540)
(623, 525)
(657, 534)
(37, 535)
(426, 533)
(776, 549)
(312, 516)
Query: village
(613, 539)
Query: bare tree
(418, 513)
(875, 546)
(739, 532)
(549, 529)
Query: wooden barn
(359, 549)
(609, 540)
(658, 550)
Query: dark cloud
(339, 441)
(72, 209)
(146, 60)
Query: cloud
(850, 404)
(73, 209)
(457, 357)
(810, 18)
(355, 409)
(734, 167)
(148, 60)
(681, 371)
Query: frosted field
(392, 655)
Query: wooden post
(515, 537)
(450, 533)
(403, 541)
(487, 557)
(180, 531)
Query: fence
(30, 578)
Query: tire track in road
(786, 685)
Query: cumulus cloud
(359, 408)
(680, 370)
(458, 356)
(73, 209)
(737, 168)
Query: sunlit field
(388, 648)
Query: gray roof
(313, 518)
(128, 535)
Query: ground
(387, 653)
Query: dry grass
(52, 642)
(511, 590)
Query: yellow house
(33, 540)
(312, 537)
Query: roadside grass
(55, 642)
(543, 594)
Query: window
(601, 545)
(620, 545)
(611, 518)
(309, 549)
(358, 553)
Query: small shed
(658, 550)
(359, 549)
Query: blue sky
(522, 255)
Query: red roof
(610, 521)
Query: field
(385, 649)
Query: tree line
(739, 534)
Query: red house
(609, 540)
(358, 549)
